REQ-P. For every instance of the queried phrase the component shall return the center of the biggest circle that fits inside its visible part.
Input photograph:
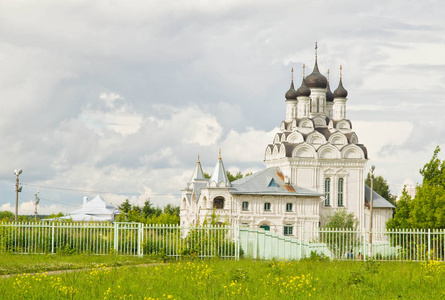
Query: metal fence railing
(124, 238)
(400, 245)
(127, 238)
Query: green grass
(21, 263)
(244, 279)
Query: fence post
(116, 237)
(52, 237)
(429, 245)
(140, 231)
(255, 247)
(365, 256)
(238, 241)
(301, 240)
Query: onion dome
(316, 79)
(340, 92)
(303, 90)
(291, 94)
(329, 94)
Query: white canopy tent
(96, 210)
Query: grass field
(219, 279)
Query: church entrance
(265, 227)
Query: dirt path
(78, 270)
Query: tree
(381, 187)
(402, 215)
(427, 209)
(231, 177)
(6, 216)
(55, 216)
(172, 210)
(148, 214)
(434, 172)
(148, 210)
(340, 219)
(125, 207)
(339, 232)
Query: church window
(272, 183)
(288, 230)
(340, 192)
(288, 206)
(327, 188)
(218, 203)
(245, 205)
(267, 206)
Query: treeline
(230, 176)
(7, 216)
(148, 214)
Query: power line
(99, 192)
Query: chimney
(85, 199)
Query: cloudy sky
(119, 97)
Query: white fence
(120, 238)
(401, 245)
(227, 242)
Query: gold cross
(340, 71)
(328, 75)
(292, 74)
(304, 66)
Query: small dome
(329, 95)
(303, 90)
(340, 92)
(291, 94)
(316, 79)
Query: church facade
(314, 166)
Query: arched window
(340, 192)
(327, 189)
(218, 203)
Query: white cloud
(110, 98)
(28, 208)
(202, 129)
(376, 135)
(121, 97)
(248, 146)
(121, 119)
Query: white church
(314, 166)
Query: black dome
(329, 95)
(340, 92)
(303, 90)
(316, 79)
(291, 94)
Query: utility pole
(18, 188)
(36, 201)
(370, 213)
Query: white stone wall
(304, 214)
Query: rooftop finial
(219, 153)
(292, 74)
(328, 75)
(341, 71)
(316, 47)
(198, 158)
(304, 66)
